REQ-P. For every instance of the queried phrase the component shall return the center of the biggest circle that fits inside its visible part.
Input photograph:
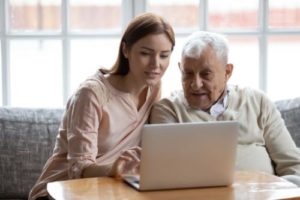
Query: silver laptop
(186, 155)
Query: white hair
(200, 40)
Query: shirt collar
(220, 106)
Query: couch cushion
(290, 111)
(27, 139)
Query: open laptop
(186, 155)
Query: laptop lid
(187, 155)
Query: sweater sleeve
(162, 112)
(279, 143)
(82, 131)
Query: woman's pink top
(98, 124)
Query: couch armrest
(290, 112)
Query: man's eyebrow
(206, 67)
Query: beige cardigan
(264, 142)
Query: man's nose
(196, 82)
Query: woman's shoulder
(96, 85)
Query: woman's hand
(127, 163)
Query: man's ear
(228, 71)
(124, 50)
(179, 66)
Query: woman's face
(148, 58)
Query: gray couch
(27, 138)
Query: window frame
(65, 35)
(130, 8)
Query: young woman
(100, 130)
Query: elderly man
(264, 142)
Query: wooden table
(247, 185)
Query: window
(259, 31)
(90, 54)
(35, 72)
(47, 48)
(239, 16)
(284, 14)
(52, 46)
(93, 15)
(284, 63)
(187, 12)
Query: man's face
(204, 78)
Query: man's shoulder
(245, 91)
(175, 98)
(248, 95)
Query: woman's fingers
(138, 150)
(133, 154)
(128, 162)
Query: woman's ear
(124, 50)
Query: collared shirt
(220, 106)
